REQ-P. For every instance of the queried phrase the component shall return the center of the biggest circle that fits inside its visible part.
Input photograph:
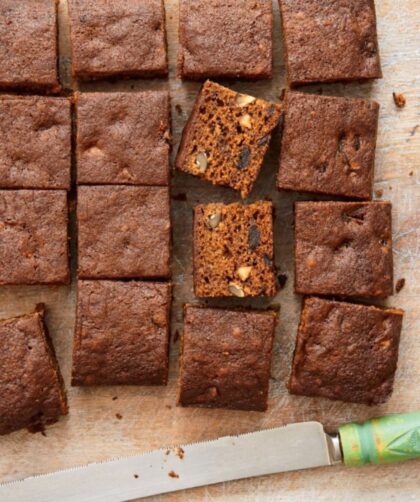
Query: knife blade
(296, 446)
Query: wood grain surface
(150, 417)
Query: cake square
(328, 145)
(32, 392)
(34, 237)
(343, 248)
(226, 137)
(123, 138)
(225, 39)
(233, 250)
(122, 333)
(123, 232)
(226, 358)
(118, 39)
(329, 40)
(346, 351)
(35, 142)
(28, 45)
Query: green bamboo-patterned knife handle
(381, 440)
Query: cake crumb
(399, 99)
(411, 173)
(180, 452)
(136, 476)
(173, 474)
(118, 415)
(379, 193)
(400, 284)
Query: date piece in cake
(234, 250)
(28, 45)
(122, 333)
(32, 392)
(35, 142)
(118, 39)
(346, 351)
(329, 40)
(225, 39)
(123, 232)
(226, 137)
(226, 358)
(34, 237)
(123, 138)
(328, 145)
(343, 248)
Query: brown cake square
(123, 138)
(35, 139)
(346, 351)
(122, 333)
(343, 248)
(328, 145)
(226, 358)
(234, 250)
(34, 237)
(118, 39)
(225, 39)
(226, 137)
(28, 45)
(123, 232)
(32, 392)
(329, 40)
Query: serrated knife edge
(294, 446)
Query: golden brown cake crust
(31, 388)
(225, 39)
(346, 351)
(122, 333)
(123, 232)
(226, 137)
(118, 38)
(329, 40)
(343, 248)
(35, 138)
(234, 250)
(34, 237)
(226, 358)
(123, 138)
(328, 145)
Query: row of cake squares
(328, 143)
(323, 41)
(343, 351)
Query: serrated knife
(292, 447)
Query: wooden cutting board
(149, 416)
